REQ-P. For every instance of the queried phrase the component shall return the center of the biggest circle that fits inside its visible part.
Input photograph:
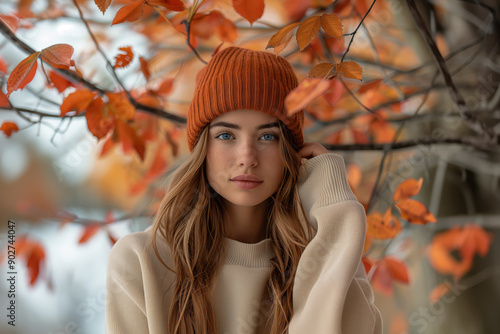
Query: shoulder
(135, 249)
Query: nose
(247, 155)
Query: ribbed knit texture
(237, 78)
(248, 255)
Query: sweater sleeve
(125, 304)
(331, 293)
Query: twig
(101, 51)
(356, 30)
(470, 119)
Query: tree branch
(468, 141)
(469, 117)
(75, 78)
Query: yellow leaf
(332, 25)
(350, 69)
(307, 31)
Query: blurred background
(422, 123)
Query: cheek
(216, 171)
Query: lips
(246, 181)
(246, 177)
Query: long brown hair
(190, 220)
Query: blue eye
(269, 137)
(224, 136)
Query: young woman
(259, 232)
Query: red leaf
(120, 107)
(60, 82)
(10, 21)
(77, 101)
(111, 238)
(123, 59)
(23, 73)
(3, 66)
(129, 139)
(145, 68)
(251, 10)
(8, 128)
(335, 91)
(107, 146)
(58, 55)
(88, 232)
(35, 260)
(98, 122)
(174, 5)
(129, 12)
(103, 4)
(165, 87)
(4, 100)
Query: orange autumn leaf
(59, 82)
(111, 238)
(3, 66)
(8, 128)
(369, 86)
(307, 31)
(123, 59)
(204, 26)
(334, 93)
(35, 260)
(280, 40)
(129, 139)
(382, 131)
(407, 189)
(10, 21)
(129, 12)
(350, 69)
(58, 55)
(415, 212)
(332, 25)
(106, 147)
(165, 87)
(145, 68)
(98, 121)
(321, 70)
(119, 106)
(251, 10)
(305, 93)
(227, 31)
(173, 5)
(34, 254)
(103, 4)
(77, 101)
(4, 100)
(88, 232)
(388, 270)
(23, 73)
(383, 227)
(468, 241)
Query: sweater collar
(248, 255)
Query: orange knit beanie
(237, 78)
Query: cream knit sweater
(330, 295)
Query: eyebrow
(237, 127)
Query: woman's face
(243, 162)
